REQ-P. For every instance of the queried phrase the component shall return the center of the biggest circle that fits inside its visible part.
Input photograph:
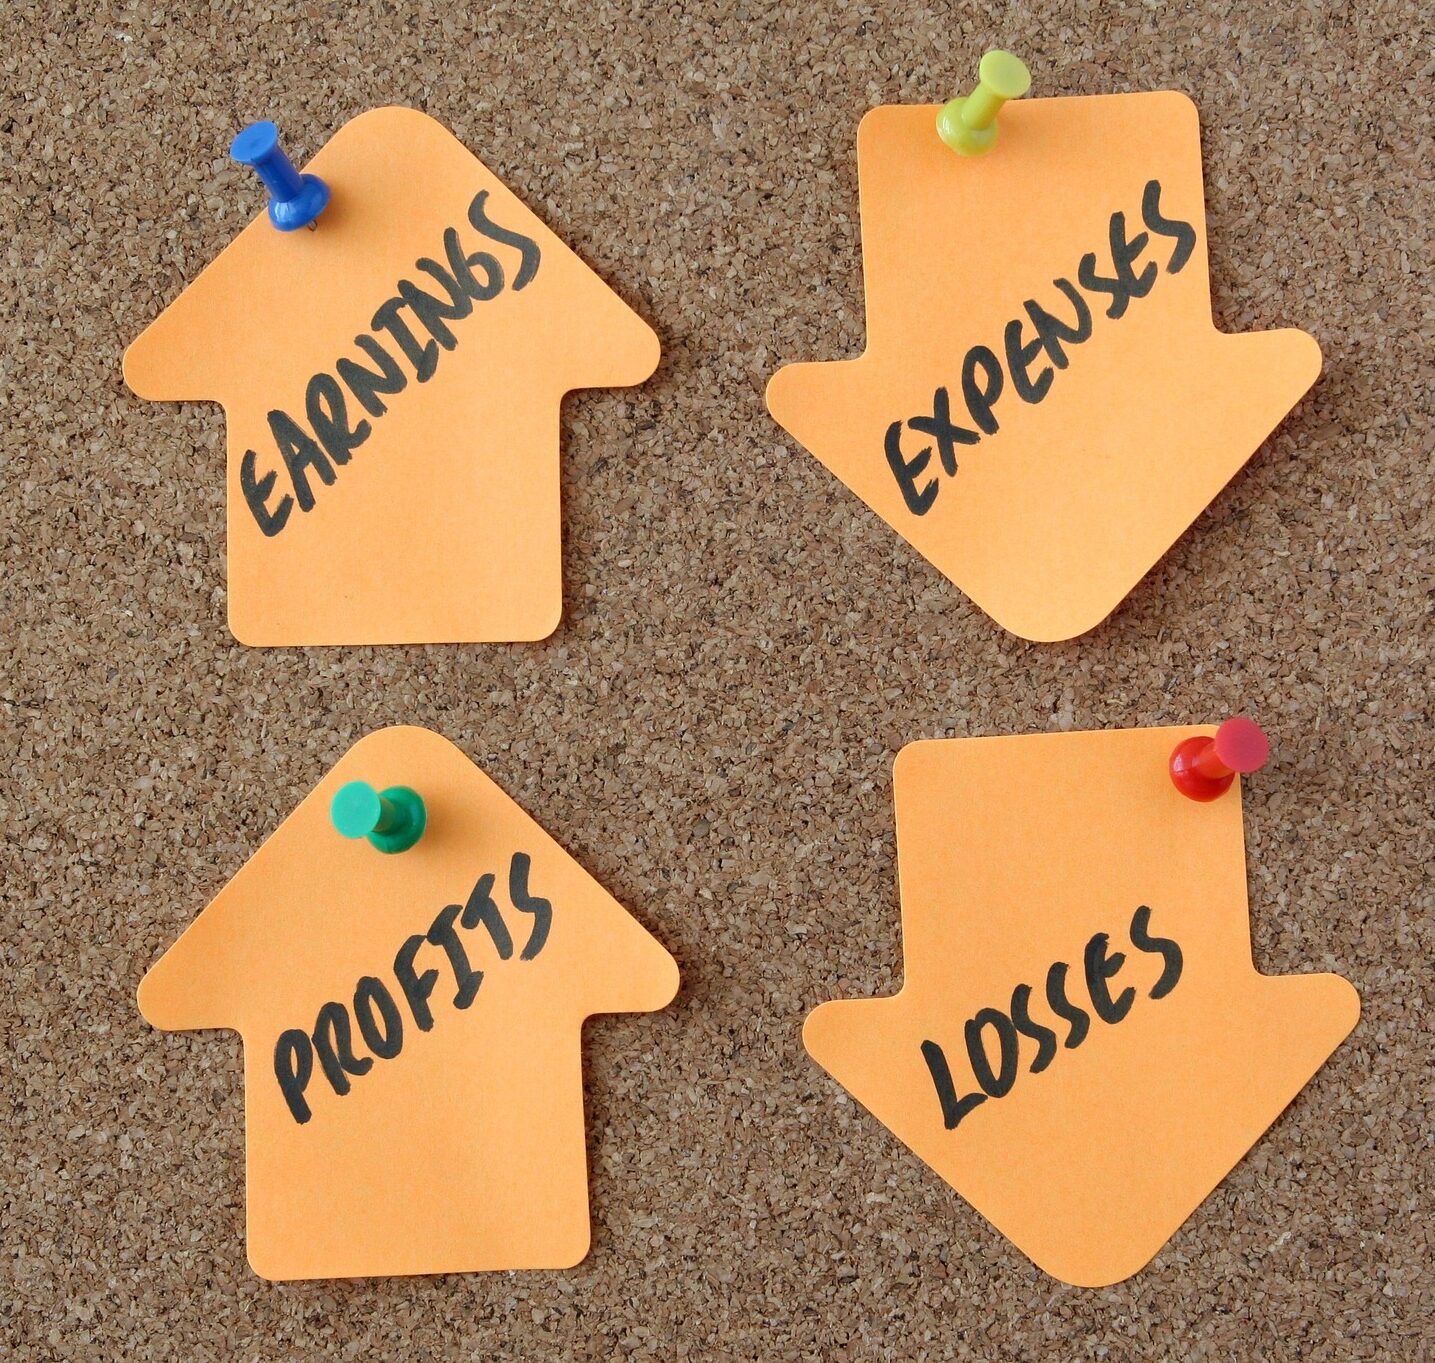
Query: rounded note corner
(394, 113)
(1290, 356)
(880, 113)
(1350, 1002)
(396, 120)
(770, 388)
(1084, 1263)
(546, 624)
(132, 369)
(401, 732)
(672, 984)
(1179, 99)
(664, 980)
(815, 1027)
(146, 1002)
(577, 1250)
(650, 356)
(247, 626)
(153, 373)
(780, 390)
(912, 752)
(1044, 630)
(1091, 1278)
(1312, 355)
(261, 1267)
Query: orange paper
(411, 1025)
(1044, 404)
(397, 375)
(1082, 1046)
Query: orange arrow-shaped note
(391, 383)
(1044, 405)
(411, 1024)
(1082, 1046)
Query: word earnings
(376, 1012)
(984, 377)
(331, 436)
(1001, 1029)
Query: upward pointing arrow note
(1044, 405)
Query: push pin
(1203, 768)
(392, 820)
(969, 126)
(295, 200)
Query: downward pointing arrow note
(1082, 1046)
(1044, 405)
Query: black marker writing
(415, 322)
(953, 1108)
(1029, 363)
(992, 1037)
(1164, 947)
(376, 1014)
(370, 997)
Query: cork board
(711, 731)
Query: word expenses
(376, 1012)
(464, 278)
(1001, 1029)
(1031, 364)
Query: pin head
(968, 126)
(295, 200)
(1203, 768)
(393, 820)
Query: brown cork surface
(744, 649)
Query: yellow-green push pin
(392, 820)
(969, 125)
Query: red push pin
(1203, 768)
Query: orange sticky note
(1082, 1046)
(391, 384)
(411, 1024)
(1044, 405)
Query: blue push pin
(295, 200)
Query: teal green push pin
(392, 820)
(969, 126)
